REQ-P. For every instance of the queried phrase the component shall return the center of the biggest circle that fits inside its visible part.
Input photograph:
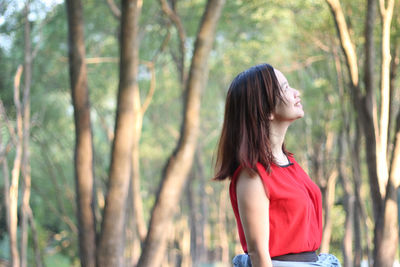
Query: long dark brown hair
(250, 102)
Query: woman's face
(291, 109)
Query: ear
(271, 117)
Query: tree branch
(7, 122)
(173, 16)
(15, 173)
(302, 64)
(344, 35)
(150, 66)
(387, 14)
(163, 46)
(395, 163)
(114, 9)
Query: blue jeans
(324, 260)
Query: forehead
(281, 78)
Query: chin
(300, 115)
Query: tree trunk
(193, 217)
(137, 202)
(221, 226)
(393, 75)
(198, 211)
(26, 168)
(326, 181)
(36, 248)
(83, 135)
(386, 15)
(15, 261)
(182, 240)
(348, 205)
(139, 111)
(179, 164)
(202, 222)
(132, 244)
(385, 212)
(366, 112)
(180, 59)
(395, 166)
(357, 236)
(328, 202)
(111, 243)
(386, 228)
(360, 210)
(6, 185)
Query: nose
(296, 92)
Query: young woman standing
(277, 206)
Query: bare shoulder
(249, 182)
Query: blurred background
(110, 116)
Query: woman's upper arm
(253, 206)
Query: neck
(277, 136)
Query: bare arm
(253, 209)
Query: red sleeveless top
(295, 209)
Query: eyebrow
(284, 83)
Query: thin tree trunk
(26, 168)
(357, 204)
(221, 226)
(386, 15)
(137, 202)
(179, 164)
(173, 16)
(386, 229)
(48, 165)
(111, 243)
(139, 111)
(183, 241)
(202, 210)
(15, 261)
(198, 211)
(114, 9)
(395, 166)
(393, 75)
(132, 239)
(193, 217)
(201, 243)
(389, 224)
(348, 234)
(347, 44)
(360, 210)
(394, 171)
(326, 181)
(348, 206)
(36, 247)
(369, 65)
(328, 201)
(357, 235)
(6, 186)
(370, 106)
(83, 135)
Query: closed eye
(286, 87)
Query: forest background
(110, 115)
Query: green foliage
(58, 260)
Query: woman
(276, 205)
